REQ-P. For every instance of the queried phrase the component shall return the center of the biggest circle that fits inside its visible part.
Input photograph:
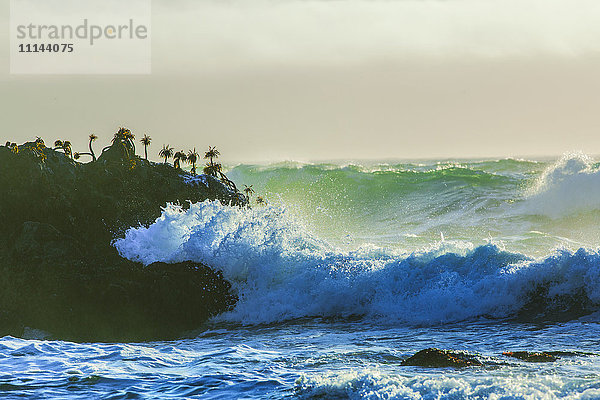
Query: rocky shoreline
(59, 272)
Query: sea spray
(281, 271)
(571, 185)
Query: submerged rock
(58, 270)
(433, 357)
(438, 358)
(531, 356)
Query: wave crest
(569, 186)
(280, 271)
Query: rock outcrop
(531, 356)
(438, 358)
(59, 272)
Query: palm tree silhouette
(129, 139)
(215, 169)
(178, 157)
(211, 153)
(92, 139)
(166, 152)
(77, 155)
(146, 142)
(249, 191)
(65, 146)
(125, 138)
(192, 158)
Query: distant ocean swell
(532, 207)
(571, 184)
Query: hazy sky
(272, 80)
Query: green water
(529, 206)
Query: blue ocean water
(309, 359)
(352, 267)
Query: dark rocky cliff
(60, 273)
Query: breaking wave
(569, 186)
(281, 271)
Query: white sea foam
(280, 271)
(372, 384)
(194, 179)
(569, 186)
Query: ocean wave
(571, 185)
(385, 199)
(409, 172)
(281, 271)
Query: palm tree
(65, 146)
(178, 157)
(130, 139)
(146, 142)
(166, 152)
(124, 138)
(92, 139)
(192, 158)
(249, 191)
(211, 153)
(214, 169)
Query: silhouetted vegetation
(122, 151)
(65, 146)
(58, 269)
(77, 155)
(192, 158)
(178, 158)
(12, 146)
(146, 140)
(92, 138)
(166, 152)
